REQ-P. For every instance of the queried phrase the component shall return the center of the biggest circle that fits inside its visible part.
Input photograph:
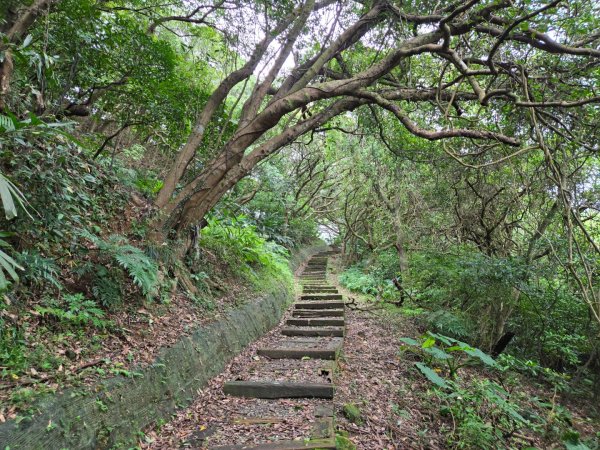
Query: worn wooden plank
(308, 313)
(320, 322)
(297, 353)
(314, 304)
(321, 296)
(312, 444)
(323, 288)
(272, 389)
(319, 291)
(337, 332)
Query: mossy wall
(111, 413)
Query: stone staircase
(313, 333)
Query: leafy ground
(77, 356)
(383, 402)
(398, 407)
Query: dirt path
(278, 393)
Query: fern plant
(40, 271)
(9, 193)
(7, 265)
(142, 270)
(76, 310)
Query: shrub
(441, 353)
(484, 415)
(74, 310)
(366, 283)
(451, 323)
(117, 250)
(241, 247)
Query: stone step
(313, 331)
(313, 304)
(321, 296)
(271, 390)
(307, 313)
(297, 353)
(320, 322)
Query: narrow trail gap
(279, 393)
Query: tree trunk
(15, 32)
(502, 343)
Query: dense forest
(160, 160)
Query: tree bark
(15, 32)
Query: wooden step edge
(317, 313)
(316, 322)
(298, 353)
(318, 292)
(274, 390)
(319, 305)
(312, 444)
(318, 332)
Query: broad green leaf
(483, 357)
(409, 341)
(437, 353)
(431, 375)
(429, 342)
(440, 337)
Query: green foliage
(66, 191)
(13, 352)
(483, 414)
(149, 186)
(352, 413)
(240, 246)
(465, 292)
(534, 370)
(40, 271)
(74, 310)
(142, 270)
(357, 280)
(449, 322)
(444, 353)
(7, 265)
